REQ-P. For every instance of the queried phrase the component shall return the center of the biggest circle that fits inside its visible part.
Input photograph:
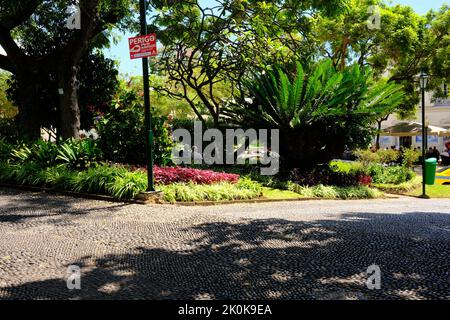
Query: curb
(218, 203)
(183, 204)
(254, 201)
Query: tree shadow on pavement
(274, 259)
(22, 207)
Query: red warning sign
(143, 46)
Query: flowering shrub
(364, 180)
(168, 175)
(332, 175)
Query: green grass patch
(436, 191)
(401, 188)
(277, 194)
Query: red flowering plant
(364, 180)
(168, 175)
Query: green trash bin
(430, 171)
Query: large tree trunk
(29, 119)
(377, 144)
(69, 111)
(379, 123)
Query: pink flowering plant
(168, 175)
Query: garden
(81, 166)
(309, 108)
(317, 75)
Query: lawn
(277, 194)
(433, 191)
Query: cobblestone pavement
(290, 250)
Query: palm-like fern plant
(284, 101)
(313, 109)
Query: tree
(319, 114)
(95, 91)
(122, 129)
(404, 43)
(211, 50)
(41, 48)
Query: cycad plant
(319, 113)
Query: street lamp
(423, 80)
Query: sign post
(143, 47)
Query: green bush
(367, 156)
(410, 157)
(122, 132)
(95, 179)
(9, 130)
(332, 192)
(348, 167)
(390, 175)
(111, 180)
(312, 107)
(379, 173)
(401, 188)
(78, 154)
(380, 157)
(190, 192)
(5, 149)
(40, 152)
(388, 156)
(25, 174)
(128, 184)
(121, 183)
(59, 177)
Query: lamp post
(423, 80)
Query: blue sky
(120, 53)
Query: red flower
(364, 180)
(168, 175)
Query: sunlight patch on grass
(433, 191)
(277, 194)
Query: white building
(437, 114)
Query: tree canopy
(210, 53)
(42, 46)
(319, 113)
(403, 44)
(206, 48)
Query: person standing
(436, 153)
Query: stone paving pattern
(289, 250)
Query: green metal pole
(424, 145)
(148, 115)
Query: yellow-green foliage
(347, 167)
(410, 156)
(189, 192)
(401, 188)
(332, 192)
(381, 156)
